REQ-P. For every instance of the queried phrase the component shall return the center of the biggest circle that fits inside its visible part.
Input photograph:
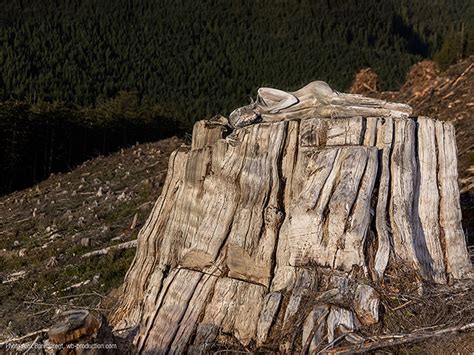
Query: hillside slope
(45, 230)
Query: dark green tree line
(42, 138)
(202, 58)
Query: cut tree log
(264, 237)
(72, 326)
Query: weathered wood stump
(72, 326)
(79, 332)
(290, 229)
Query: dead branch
(334, 342)
(369, 88)
(82, 295)
(126, 245)
(401, 306)
(398, 339)
(29, 335)
(462, 74)
(32, 344)
(66, 305)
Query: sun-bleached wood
(316, 99)
(269, 233)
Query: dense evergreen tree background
(199, 58)
(184, 60)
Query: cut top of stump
(73, 325)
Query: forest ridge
(197, 59)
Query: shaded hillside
(45, 230)
(43, 138)
(164, 64)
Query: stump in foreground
(284, 234)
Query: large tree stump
(288, 229)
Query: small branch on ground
(126, 245)
(29, 335)
(398, 339)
